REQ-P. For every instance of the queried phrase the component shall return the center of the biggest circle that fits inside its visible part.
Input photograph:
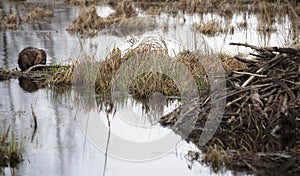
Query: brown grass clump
(37, 14)
(126, 9)
(146, 83)
(143, 85)
(193, 63)
(11, 150)
(11, 21)
(89, 23)
(61, 75)
(212, 28)
(230, 63)
(107, 70)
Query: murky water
(60, 146)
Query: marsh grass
(37, 14)
(229, 63)
(61, 75)
(89, 22)
(11, 21)
(216, 157)
(83, 2)
(8, 74)
(124, 65)
(148, 57)
(11, 150)
(213, 28)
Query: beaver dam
(260, 127)
(221, 77)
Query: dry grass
(89, 23)
(149, 82)
(83, 2)
(8, 74)
(242, 25)
(230, 63)
(11, 21)
(38, 14)
(61, 75)
(212, 28)
(10, 150)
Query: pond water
(60, 145)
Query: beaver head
(31, 56)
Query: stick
(247, 73)
(252, 77)
(254, 47)
(35, 66)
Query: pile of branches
(260, 128)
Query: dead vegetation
(260, 127)
(145, 84)
(11, 21)
(83, 2)
(38, 14)
(213, 28)
(89, 23)
(6, 74)
(11, 150)
(14, 19)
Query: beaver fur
(31, 56)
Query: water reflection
(30, 84)
(60, 146)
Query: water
(60, 146)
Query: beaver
(31, 56)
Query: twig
(252, 77)
(247, 73)
(254, 47)
(246, 45)
(35, 66)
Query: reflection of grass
(10, 150)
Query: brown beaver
(31, 56)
